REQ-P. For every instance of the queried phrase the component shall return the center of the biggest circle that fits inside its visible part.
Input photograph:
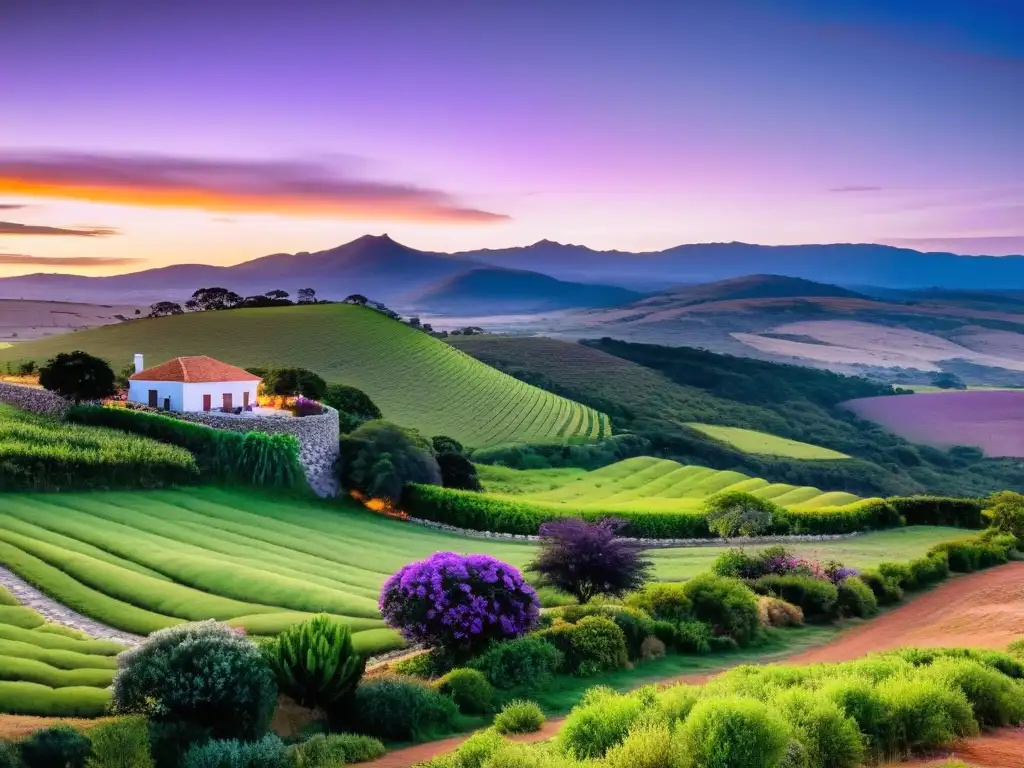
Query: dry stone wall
(32, 399)
(318, 438)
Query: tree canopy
(380, 459)
(165, 309)
(78, 376)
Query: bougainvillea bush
(459, 603)
(779, 561)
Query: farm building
(196, 383)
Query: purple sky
(222, 130)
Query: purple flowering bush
(779, 561)
(459, 603)
(303, 406)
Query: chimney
(138, 363)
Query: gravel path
(53, 611)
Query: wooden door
(152, 398)
(227, 401)
(207, 402)
(245, 399)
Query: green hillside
(763, 444)
(417, 380)
(656, 485)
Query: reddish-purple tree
(587, 559)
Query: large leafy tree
(307, 296)
(589, 559)
(165, 308)
(78, 376)
(213, 298)
(294, 381)
(380, 459)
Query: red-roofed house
(195, 383)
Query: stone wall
(318, 438)
(32, 399)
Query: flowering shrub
(779, 561)
(303, 406)
(459, 603)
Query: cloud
(289, 187)
(11, 206)
(66, 261)
(856, 188)
(13, 228)
(992, 245)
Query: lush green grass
(50, 670)
(38, 452)
(763, 444)
(649, 484)
(498, 479)
(417, 380)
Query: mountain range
(388, 271)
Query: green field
(648, 484)
(46, 669)
(763, 444)
(418, 381)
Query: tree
(206, 299)
(307, 296)
(353, 405)
(445, 444)
(739, 512)
(122, 382)
(1005, 512)
(357, 298)
(27, 368)
(293, 381)
(165, 309)
(586, 559)
(414, 322)
(277, 293)
(948, 381)
(380, 459)
(78, 376)
(458, 472)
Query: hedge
(253, 457)
(43, 701)
(940, 510)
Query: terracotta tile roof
(195, 368)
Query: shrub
(1005, 513)
(469, 689)
(334, 750)
(597, 644)
(267, 752)
(458, 472)
(995, 699)
(519, 717)
(380, 459)
(352, 403)
(855, 598)
(652, 648)
(293, 381)
(726, 604)
(314, 661)
(401, 709)
(459, 603)
(831, 738)
(648, 745)
(444, 444)
(636, 626)
(859, 699)
(205, 674)
(425, 665)
(122, 743)
(733, 732)
(78, 376)
(9, 755)
(594, 726)
(528, 662)
(898, 573)
(474, 752)
(662, 601)
(774, 612)
(60, 746)
(1016, 648)
(586, 559)
(922, 715)
(676, 701)
(303, 406)
(685, 636)
(973, 554)
(937, 510)
(886, 590)
(738, 512)
(817, 599)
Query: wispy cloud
(66, 261)
(12, 206)
(303, 188)
(856, 188)
(13, 228)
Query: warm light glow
(381, 506)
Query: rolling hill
(741, 288)
(417, 380)
(493, 290)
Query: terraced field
(49, 670)
(417, 380)
(657, 485)
(763, 444)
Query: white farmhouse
(195, 383)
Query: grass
(763, 444)
(415, 379)
(649, 484)
(48, 670)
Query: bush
(459, 603)
(267, 752)
(1016, 648)
(121, 743)
(830, 738)
(995, 700)
(636, 626)
(778, 613)
(425, 665)
(855, 598)
(973, 554)
(353, 405)
(733, 732)
(293, 381)
(1005, 513)
(78, 376)
(469, 689)
(859, 699)
(922, 715)
(9, 755)
(205, 674)
(596, 644)
(648, 745)
(60, 746)
(938, 510)
(596, 725)
(380, 459)
(474, 752)
(817, 599)
(401, 709)
(444, 444)
(676, 701)
(458, 472)
(685, 636)
(886, 590)
(652, 648)
(662, 601)
(314, 662)
(253, 458)
(528, 662)
(334, 750)
(734, 513)
(519, 717)
(726, 604)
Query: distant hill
(746, 287)
(494, 290)
(416, 380)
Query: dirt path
(1001, 749)
(984, 610)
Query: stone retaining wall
(32, 399)
(318, 438)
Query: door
(152, 398)
(227, 401)
(207, 402)
(245, 399)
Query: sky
(139, 134)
